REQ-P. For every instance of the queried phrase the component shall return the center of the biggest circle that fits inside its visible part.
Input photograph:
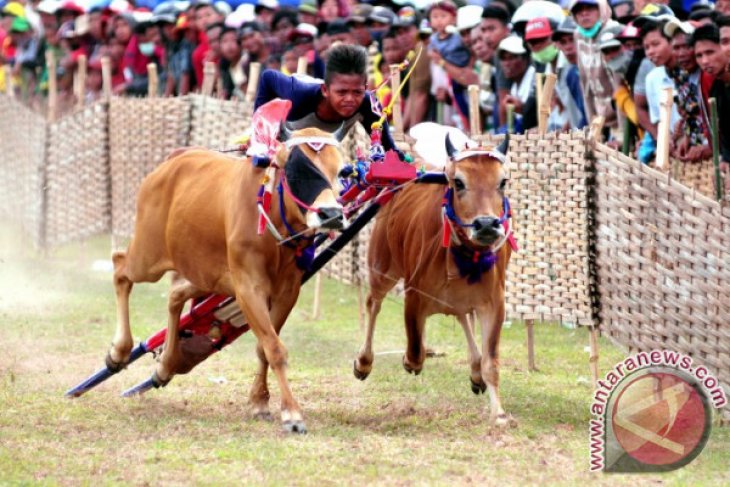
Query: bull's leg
(415, 322)
(259, 395)
(171, 355)
(475, 358)
(364, 362)
(491, 321)
(252, 300)
(122, 342)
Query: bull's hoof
(113, 366)
(504, 421)
(410, 369)
(294, 427)
(478, 387)
(358, 373)
(262, 416)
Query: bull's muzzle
(486, 230)
(331, 218)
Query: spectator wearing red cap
(538, 37)
(265, 10)
(591, 17)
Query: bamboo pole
(52, 86)
(510, 118)
(474, 113)
(254, 72)
(530, 324)
(546, 101)
(81, 82)
(593, 360)
(302, 65)
(372, 55)
(665, 115)
(539, 81)
(106, 77)
(153, 81)
(596, 128)
(209, 73)
(719, 180)
(316, 305)
(395, 85)
(9, 81)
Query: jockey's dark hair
(345, 59)
(707, 32)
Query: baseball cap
(71, 6)
(425, 28)
(14, 9)
(567, 26)
(267, 4)
(303, 30)
(48, 7)
(308, 7)
(382, 15)
(407, 16)
(512, 44)
(583, 2)
(653, 13)
(360, 13)
(629, 32)
(608, 40)
(674, 25)
(468, 17)
(20, 24)
(538, 28)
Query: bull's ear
(285, 132)
(450, 149)
(340, 133)
(504, 146)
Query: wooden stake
(209, 73)
(665, 115)
(9, 81)
(254, 72)
(394, 85)
(596, 128)
(372, 54)
(545, 106)
(153, 81)
(539, 80)
(317, 295)
(593, 360)
(510, 118)
(530, 345)
(302, 65)
(106, 77)
(715, 130)
(475, 127)
(52, 86)
(81, 82)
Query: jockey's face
(345, 93)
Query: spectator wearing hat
(68, 10)
(307, 12)
(49, 41)
(24, 62)
(567, 88)
(713, 62)
(520, 72)
(447, 47)
(265, 10)
(180, 44)
(358, 24)
(379, 21)
(591, 17)
(624, 11)
(690, 140)
(303, 40)
(538, 37)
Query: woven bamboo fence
(697, 175)
(663, 263)
(22, 163)
(217, 123)
(142, 132)
(77, 167)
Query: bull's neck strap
(316, 143)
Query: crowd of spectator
(610, 59)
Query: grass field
(393, 429)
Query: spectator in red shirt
(205, 16)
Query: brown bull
(197, 215)
(407, 243)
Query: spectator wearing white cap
(265, 10)
(591, 17)
(570, 94)
(520, 72)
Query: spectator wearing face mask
(144, 48)
(568, 89)
(591, 17)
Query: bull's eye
(503, 184)
(459, 184)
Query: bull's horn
(339, 134)
(504, 146)
(450, 149)
(285, 132)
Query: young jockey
(342, 98)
